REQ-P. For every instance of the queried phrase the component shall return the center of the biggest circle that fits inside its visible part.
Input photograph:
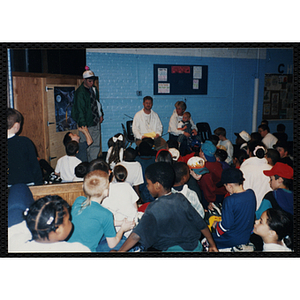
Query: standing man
(147, 124)
(87, 111)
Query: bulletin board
(180, 79)
(278, 96)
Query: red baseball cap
(282, 170)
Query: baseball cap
(282, 170)
(244, 135)
(88, 73)
(175, 153)
(209, 149)
(231, 175)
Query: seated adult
(147, 124)
(176, 118)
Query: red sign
(180, 69)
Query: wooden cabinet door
(59, 100)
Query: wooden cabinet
(31, 99)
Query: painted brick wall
(228, 103)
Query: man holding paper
(147, 124)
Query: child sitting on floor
(116, 149)
(122, 198)
(91, 220)
(274, 227)
(182, 176)
(238, 212)
(65, 167)
(170, 223)
(47, 228)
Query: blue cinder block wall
(228, 103)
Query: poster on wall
(180, 79)
(278, 96)
(64, 99)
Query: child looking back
(65, 167)
(122, 198)
(274, 227)
(91, 220)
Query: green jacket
(81, 110)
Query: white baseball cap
(244, 135)
(88, 73)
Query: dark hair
(273, 155)
(45, 215)
(280, 127)
(13, 116)
(220, 131)
(148, 98)
(286, 182)
(72, 148)
(264, 122)
(120, 173)
(161, 172)
(67, 138)
(129, 154)
(98, 164)
(255, 136)
(116, 146)
(173, 144)
(164, 156)
(222, 154)
(264, 127)
(240, 155)
(181, 169)
(279, 221)
(82, 169)
(260, 153)
(214, 139)
(145, 149)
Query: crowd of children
(146, 200)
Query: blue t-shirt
(238, 215)
(91, 224)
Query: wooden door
(29, 93)
(59, 100)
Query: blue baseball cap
(209, 149)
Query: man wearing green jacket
(87, 111)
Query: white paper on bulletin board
(162, 74)
(164, 88)
(195, 84)
(197, 72)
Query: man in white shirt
(267, 138)
(147, 124)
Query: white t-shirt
(19, 241)
(135, 172)
(121, 202)
(229, 148)
(255, 179)
(66, 167)
(269, 140)
(276, 247)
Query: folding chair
(204, 131)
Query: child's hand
(83, 129)
(210, 206)
(196, 176)
(127, 225)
